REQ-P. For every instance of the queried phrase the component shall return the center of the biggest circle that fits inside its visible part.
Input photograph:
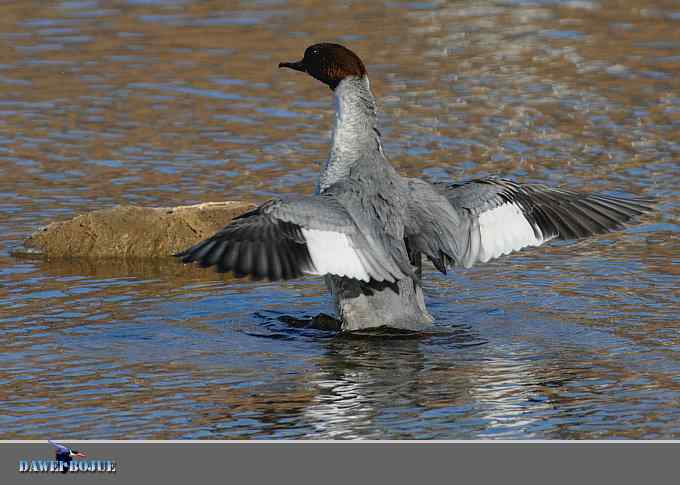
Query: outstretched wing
(284, 240)
(59, 448)
(493, 217)
(506, 216)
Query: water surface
(179, 102)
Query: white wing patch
(505, 229)
(332, 253)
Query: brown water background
(175, 102)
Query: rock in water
(131, 231)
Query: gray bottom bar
(356, 462)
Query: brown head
(329, 63)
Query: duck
(367, 229)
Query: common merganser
(366, 226)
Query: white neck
(355, 134)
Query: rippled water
(166, 103)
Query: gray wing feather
(552, 213)
(434, 227)
(332, 211)
(255, 244)
(560, 213)
(448, 231)
(317, 212)
(379, 230)
(268, 242)
(326, 213)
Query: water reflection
(178, 102)
(362, 379)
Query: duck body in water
(366, 227)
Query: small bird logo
(65, 454)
